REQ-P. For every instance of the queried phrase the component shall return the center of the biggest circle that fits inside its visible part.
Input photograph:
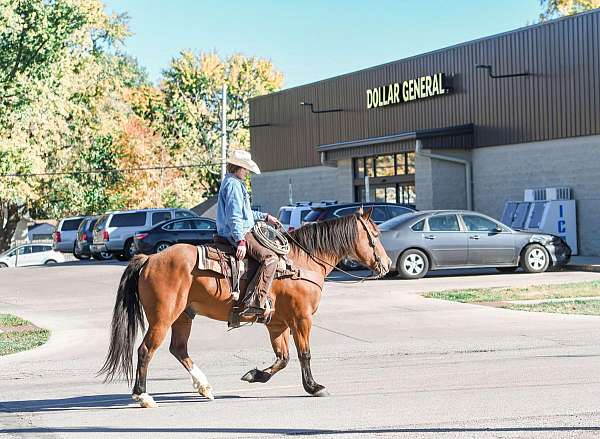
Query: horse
(163, 285)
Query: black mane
(335, 237)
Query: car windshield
(395, 222)
(284, 216)
(101, 222)
(314, 215)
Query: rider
(235, 219)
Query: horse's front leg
(280, 334)
(301, 331)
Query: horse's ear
(360, 211)
(367, 214)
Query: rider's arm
(259, 216)
(234, 203)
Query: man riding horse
(235, 220)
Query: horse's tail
(127, 317)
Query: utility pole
(224, 132)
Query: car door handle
(429, 237)
(474, 237)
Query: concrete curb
(584, 267)
(559, 300)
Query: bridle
(379, 267)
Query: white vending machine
(548, 215)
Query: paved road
(396, 364)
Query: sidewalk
(584, 263)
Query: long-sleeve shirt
(235, 217)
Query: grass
(587, 307)
(559, 291)
(23, 336)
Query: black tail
(127, 317)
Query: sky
(311, 40)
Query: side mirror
(499, 229)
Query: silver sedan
(441, 239)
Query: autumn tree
(559, 8)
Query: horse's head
(369, 250)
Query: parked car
(114, 231)
(292, 216)
(30, 254)
(381, 213)
(85, 236)
(194, 231)
(432, 240)
(63, 238)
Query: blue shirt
(235, 217)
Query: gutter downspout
(466, 163)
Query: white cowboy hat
(243, 158)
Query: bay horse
(164, 284)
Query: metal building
(515, 111)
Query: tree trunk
(10, 214)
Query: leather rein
(378, 262)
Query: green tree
(61, 81)
(191, 110)
(559, 8)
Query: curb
(588, 267)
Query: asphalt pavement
(396, 364)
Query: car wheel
(161, 246)
(413, 264)
(76, 255)
(506, 269)
(50, 262)
(128, 250)
(3, 265)
(102, 256)
(535, 259)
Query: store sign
(406, 91)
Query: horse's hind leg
(152, 340)
(301, 330)
(180, 333)
(280, 335)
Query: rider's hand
(240, 252)
(272, 220)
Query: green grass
(587, 307)
(12, 342)
(579, 289)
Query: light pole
(224, 132)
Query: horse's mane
(336, 237)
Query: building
(516, 110)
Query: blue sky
(311, 40)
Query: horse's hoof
(256, 376)
(204, 390)
(321, 393)
(145, 400)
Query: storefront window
(384, 165)
(359, 168)
(390, 194)
(369, 167)
(410, 163)
(400, 164)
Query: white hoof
(204, 390)
(145, 400)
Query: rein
(317, 259)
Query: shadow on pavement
(111, 401)
(291, 431)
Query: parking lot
(396, 364)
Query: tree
(559, 8)
(191, 110)
(60, 85)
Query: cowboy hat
(243, 158)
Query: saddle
(219, 259)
